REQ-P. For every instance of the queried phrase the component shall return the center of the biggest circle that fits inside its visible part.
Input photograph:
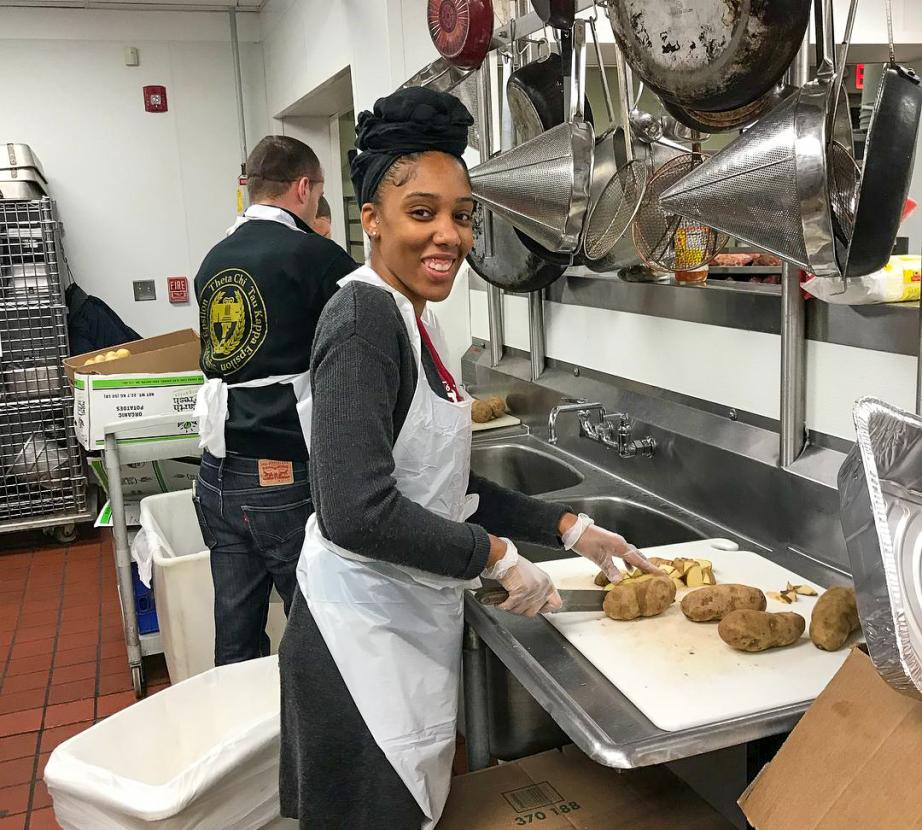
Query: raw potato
(497, 404)
(122, 353)
(89, 362)
(640, 598)
(835, 617)
(111, 355)
(759, 630)
(481, 412)
(601, 579)
(715, 602)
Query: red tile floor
(63, 664)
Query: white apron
(395, 632)
(211, 399)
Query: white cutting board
(680, 674)
(496, 423)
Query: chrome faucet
(612, 429)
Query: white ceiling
(145, 5)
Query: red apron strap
(444, 375)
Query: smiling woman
(371, 657)
(420, 224)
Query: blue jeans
(255, 535)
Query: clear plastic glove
(599, 545)
(531, 591)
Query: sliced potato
(694, 577)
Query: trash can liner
(200, 755)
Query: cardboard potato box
(565, 790)
(852, 763)
(161, 376)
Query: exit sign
(178, 289)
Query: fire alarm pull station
(155, 99)
(178, 289)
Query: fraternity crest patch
(233, 314)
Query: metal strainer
(665, 240)
(844, 176)
(541, 187)
(613, 208)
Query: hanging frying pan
(557, 13)
(514, 266)
(535, 96)
(712, 55)
(725, 121)
(461, 30)
(888, 164)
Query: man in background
(323, 223)
(260, 293)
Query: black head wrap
(411, 120)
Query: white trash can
(200, 755)
(183, 590)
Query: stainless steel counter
(591, 712)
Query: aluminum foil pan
(880, 498)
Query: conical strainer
(770, 187)
(541, 187)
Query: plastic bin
(144, 604)
(201, 755)
(183, 590)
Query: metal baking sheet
(880, 494)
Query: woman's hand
(599, 545)
(531, 591)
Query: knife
(576, 600)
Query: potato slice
(682, 566)
(694, 576)
(707, 576)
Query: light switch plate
(144, 290)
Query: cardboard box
(565, 790)
(149, 478)
(852, 763)
(161, 376)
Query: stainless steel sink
(527, 470)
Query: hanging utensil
(710, 55)
(615, 202)
(665, 240)
(888, 165)
(541, 187)
(536, 98)
(770, 186)
(461, 30)
(510, 264)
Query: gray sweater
(363, 375)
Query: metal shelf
(42, 476)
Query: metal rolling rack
(42, 475)
(124, 446)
